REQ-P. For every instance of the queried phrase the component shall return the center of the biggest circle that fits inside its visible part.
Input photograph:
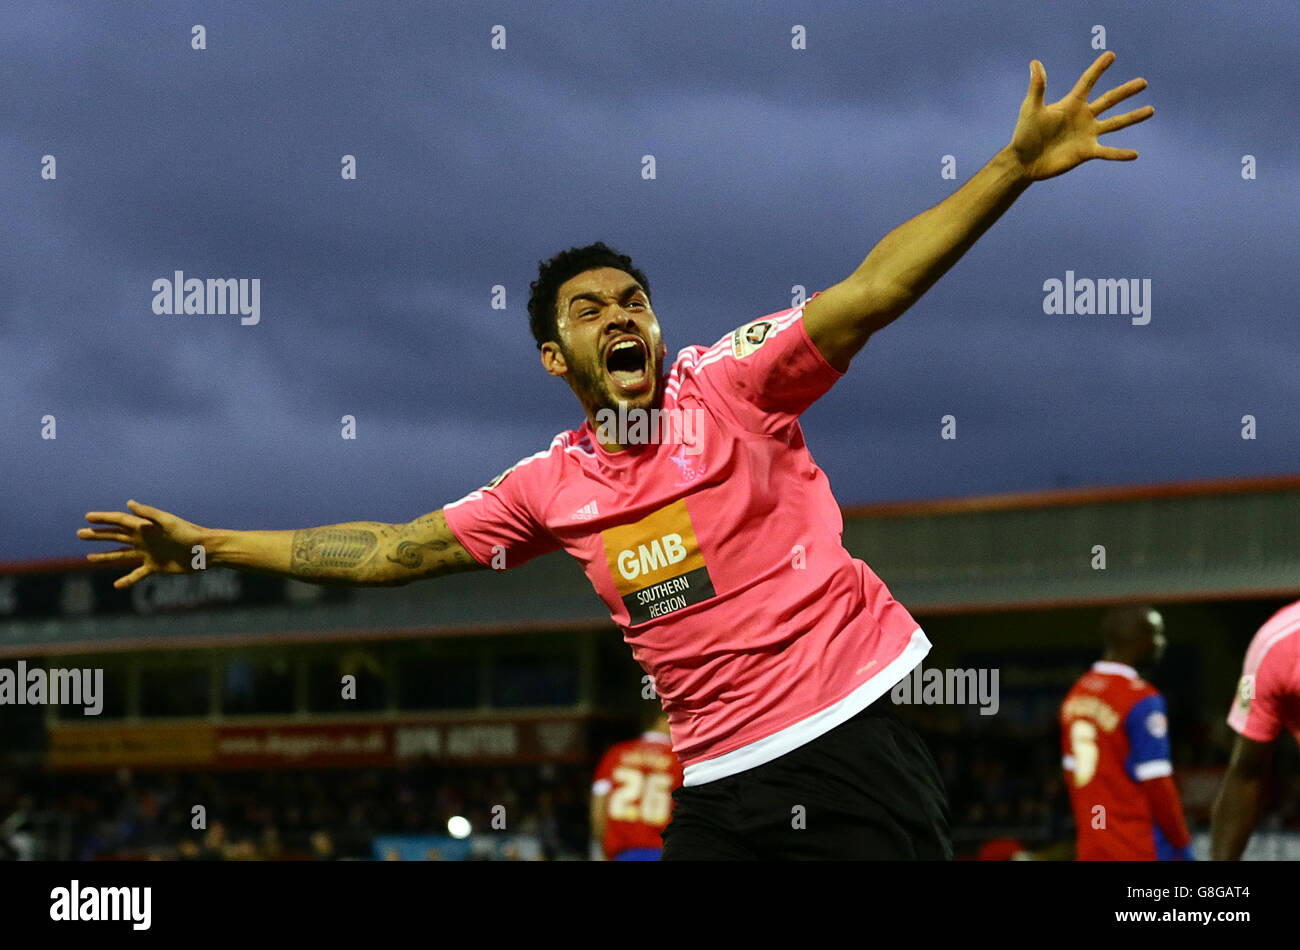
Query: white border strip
(801, 733)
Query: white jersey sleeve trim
(601, 787)
(1286, 631)
(1157, 768)
(1067, 763)
(780, 326)
(722, 348)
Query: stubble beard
(594, 389)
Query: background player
(631, 797)
(1115, 744)
(1268, 700)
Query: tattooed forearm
(414, 555)
(332, 551)
(428, 548)
(376, 554)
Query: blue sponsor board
(447, 848)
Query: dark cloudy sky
(775, 167)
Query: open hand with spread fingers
(1051, 140)
(161, 541)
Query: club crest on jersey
(688, 470)
(1246, 692)
(747, 339)
(498, 480)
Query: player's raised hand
(1051, 140)
(160, 540)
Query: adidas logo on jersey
(586, 512)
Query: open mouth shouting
(627, 361)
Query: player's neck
(611, 424)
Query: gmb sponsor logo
(656, 564)
(648, 558)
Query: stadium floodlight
(458, 827)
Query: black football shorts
(866, 790)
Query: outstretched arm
(597, 851)
(358, 553)
(1049, 140)
(1236, 809)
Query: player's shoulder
(1143, 692)
(1149, 714)
(1118, 681)
(690, 360)
(540, 468)
(562, 448)
(1091, 682)
(1130, 692)
(1286, 618)
(1118, 691)
(1277, 639)
(739, 343)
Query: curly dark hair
(565, 266)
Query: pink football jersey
(718, 553)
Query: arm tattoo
(319, 550)
(442, 551)
(411, 554)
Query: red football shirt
(1114, 736)
(720, 557)
(639, 776)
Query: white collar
(1115, 669)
